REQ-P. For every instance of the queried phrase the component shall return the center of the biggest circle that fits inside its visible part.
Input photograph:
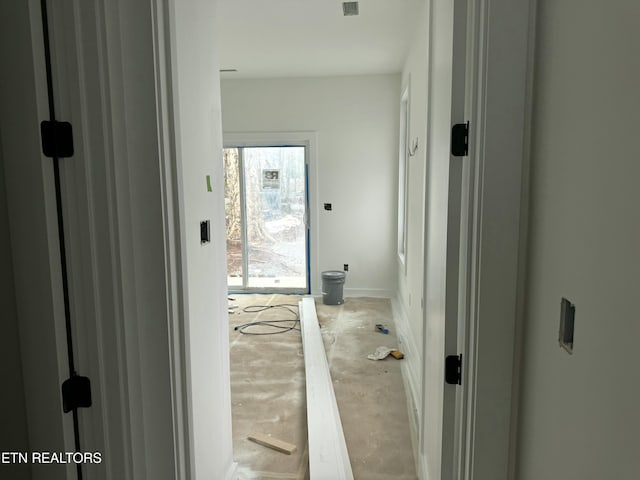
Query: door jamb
(500, 176)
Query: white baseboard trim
(413, 413)
(412, 367)
(328, 454)
(368, 292)
(360, 292)
(232, 473)
(423, 471)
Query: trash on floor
(381, 328)
(271, 442)
(397, 354)
(383, 352)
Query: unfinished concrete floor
(268, 390)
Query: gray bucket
(332, 282)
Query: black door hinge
(460, 140)
(76, 393)
(57, 139)
(453, 369)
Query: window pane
(275, 182)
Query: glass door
(266, 217)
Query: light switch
(205, 232)
(567, 324)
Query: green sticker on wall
(209, 189)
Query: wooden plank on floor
(328, 455)
(272, 442)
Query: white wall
(579, 413)
(13, 434)
(199, 153)
(356, 120)
(410, 314)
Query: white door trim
(33, 234)
(327, 448)
(454, 406)
(122, 296)
(484, 271)
(524, 243)
(498, 106)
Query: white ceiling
(292, 38)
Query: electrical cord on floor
(274, 324)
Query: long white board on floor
(328, 455)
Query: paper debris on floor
(383, 352)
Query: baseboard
(423, 470)
(360, 292)
(414, 420)
(411, 369)
(328, 454)
(232, 472)
(368, 292)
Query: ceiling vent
(349, 8)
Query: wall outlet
(328, 207)
(346, 267)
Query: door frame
(244, 288)
(308, 139)
(444, 238)
(498, 103)
(159, 371)
(35, 253)
(501, 61)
